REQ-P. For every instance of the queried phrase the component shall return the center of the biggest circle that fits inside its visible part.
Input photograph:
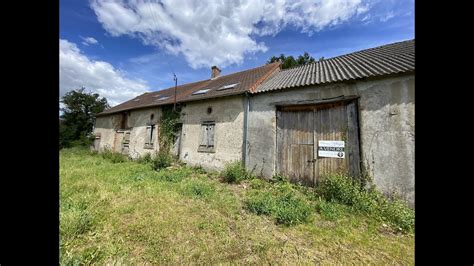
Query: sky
(122, 49)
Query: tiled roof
(247, 80)
(387, 59)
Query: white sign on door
(331, 148)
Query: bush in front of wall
(162, 160)
(234, 172)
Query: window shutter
(204, 131)
(126, 137)
(152, 129)
(210, 136)
(148, 131)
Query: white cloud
(89, 40)
(76, 70)
(219, 32)
(387, 16)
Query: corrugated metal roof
(246, 80)
(383, 60)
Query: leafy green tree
(290, 61)
(78, 116)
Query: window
(226, 87)
(150, 134)
(124, 120)
(162, 98)
(207, 137)
(200, 91)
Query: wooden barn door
(295, 144)
(300, 130)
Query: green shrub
(162, 160)
(397, 214)
(341, 189)
(234, 173)
(291, 209)
(112, 156)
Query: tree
(290, 61)
(79, 111)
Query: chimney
(215, 72)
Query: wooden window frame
(149, 140)
(207, 148)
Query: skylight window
(136, 100)
(156, 96)
(226, 87)
(200, 91)
(162, 98)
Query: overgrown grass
(145, 159)
(112, 156)
(199, 188)
(343, 190)
(175, 174)
(282, 202)
(127, 213)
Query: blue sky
(122, 49)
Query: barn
(351, 113)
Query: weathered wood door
(299, 130)
(122, 142)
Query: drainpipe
(244, 143)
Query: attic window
(162, 98)
(200, 91)
(230, 86)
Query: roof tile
(392, 58)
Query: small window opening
(124, 120)
(207, 137)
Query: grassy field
(127, 213)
